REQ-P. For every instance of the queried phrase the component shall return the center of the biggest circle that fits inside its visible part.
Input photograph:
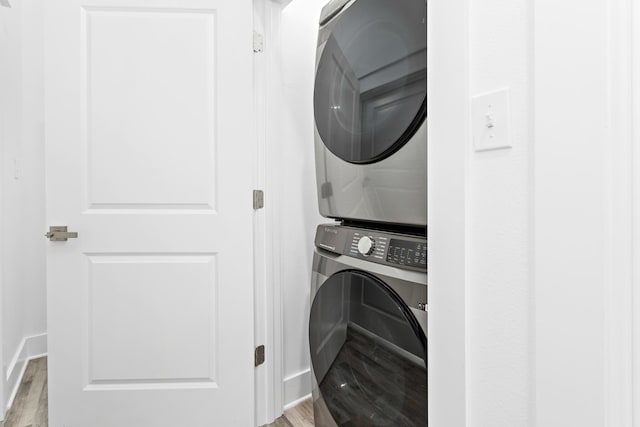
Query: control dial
(366, 245)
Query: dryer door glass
(368, 353)
(371, 79)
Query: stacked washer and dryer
(368, 321)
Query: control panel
(393, 249)
(405, 252)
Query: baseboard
(30, 348)
(297, 388)
(297, 402)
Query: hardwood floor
(299, 416)
(29, 408)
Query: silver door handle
(60, 234)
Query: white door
(149, 154)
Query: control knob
(366, 245)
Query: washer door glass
(371, 79)
(368, 353)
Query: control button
(366, 245)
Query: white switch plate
(490, 122)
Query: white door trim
(633, 368)
(4, 404)
(580, 212)
(448, 156)
(268, 243)
(622, 224)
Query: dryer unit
(368, 328)
(370, 106)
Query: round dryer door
(371, 79)
(368, 354)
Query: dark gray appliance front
(367, 329)
(370, 101)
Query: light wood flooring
(29, 407)
(298, 416)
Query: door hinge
(258, 199)
(259, 355)
(258, 44)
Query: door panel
(146, 97)
(149, 309)
(175, 341)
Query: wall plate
(491, 120)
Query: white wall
(480, 287)
(300, 206)
(572, 203)
(544, 219)
(23, 227)
(499, 288)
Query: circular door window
(368, 353)
(371, 79)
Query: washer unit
(370, 108)
(367, 329)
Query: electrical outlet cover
(491, 120)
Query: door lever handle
(60, 234)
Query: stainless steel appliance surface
(370, 108)
(368, 328)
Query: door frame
(449, 150)
(611, 329)
(3, 382)
(633, 369)
(268, 328)
(622, 327)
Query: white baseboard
(30, 348)
(297, 388)
(297, 402)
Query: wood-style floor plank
(298, 416)
(281, 422)
(29, 408)
(17, 408)
(301, 415)
(35, 393)
(41, 418)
